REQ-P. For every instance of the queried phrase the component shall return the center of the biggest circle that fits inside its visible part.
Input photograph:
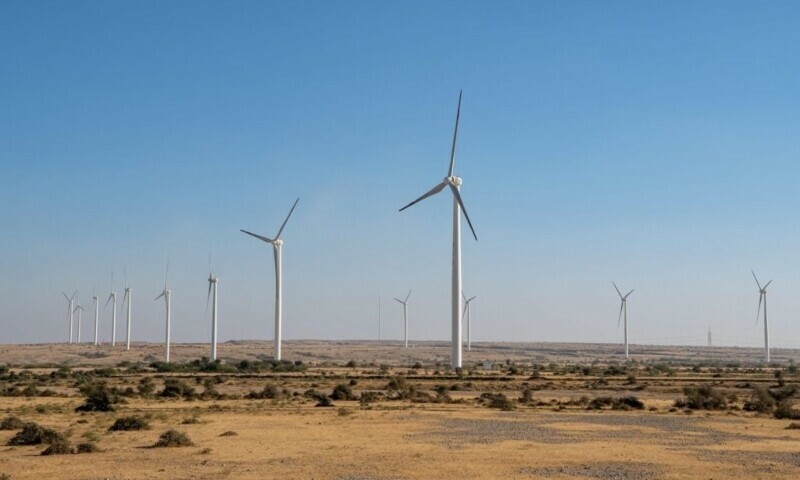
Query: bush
(498, 400)
(793, 426)
(760, 401)
(87, 447)
(370, 397)
(34, 434)
(11, 423)
(786, 412)
(173, 438)
(323, 401)
(98, 398)
(702, 398)
(269, 392)
(60, 446)
(146, 386)
(343, 392)
(176, 388)
(229, 433)
(124, 424)
(620, 403)
(190, 421)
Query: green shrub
(785, 411)
(11, 423)
(134, 422)
(173, 438)
(34, 434)
(59, 446)
(343, 392)
(98, 398)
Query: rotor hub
(278, 242)
(454, 181)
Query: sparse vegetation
(133, 422)
(99, 398)
(34, 434)
(704, 397)
(11, 423)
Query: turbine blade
(617, 289)
(399, 300)
(287, 219)
(208, 297)
(124, 297)
(109, 299)
(463, 210)
(409, 295)
(65, 296)
(621, 306)
(628, 294)
(265, 239)
(473, 298)
(209, 264)
(758, 312)
(455, 135)
(162, 294)
(125, 272)
(431, 192)
(767, 285)
(756, 278)
(166, 276)
(463, 296)
(466, 306)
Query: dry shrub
(173, 438)
(229, 433)
(60, 446)
(704, 397)
(34, 434)
(133, 422)
(87, 447)
(11, 423)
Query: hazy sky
(656, 144)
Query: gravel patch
(749, 458)
(601, 471)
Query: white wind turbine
(454, 182)
(468, 315)
(762, 298)
(212, 285)
(79, 309)
(112, 297)
(96, 302)
(623, 311)
(70, 301)
(277, 245)
(167, 294)
(127, 296)
(405, 315)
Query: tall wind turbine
(762, 298)
(454, 182)
(79, 309)
(70, 307)
(277, 245)
(468, 316)
(112, 297)
(167, 294)
(212, 285)
(127, 297)
(405, 315)
(623, 311)
(96, 302)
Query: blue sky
(652, 143)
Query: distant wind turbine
(112, 297)
(468, 316)
(167, 294)
(623, 311)
(127, 296)
(79, 309)
(212, 285)
(96, 302)
(277, 245)
(454, 182)
(70, 307)
(762, 298)
(405, 315)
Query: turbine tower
(79, 309)
(762, 298)
(167, 294)
(96, 302)
(112, 297)
(277, 245)
(623, 311)
(212, 285)
(70, 307)
(454, 182)
(468, 316)
(405, 315)
(127, 296)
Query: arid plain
(372, 410)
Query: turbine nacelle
(454, 180)
(277, 242)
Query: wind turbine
(79, 309)
(623, 309)
(405, 315)
(212, 285)
(96, 302)
(277, 245)
(127, 297)
(467, 313)
(167, 294)
(71, 301)
(112, 297)
(454, 182)
(762, 298)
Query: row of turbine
(74, 306)
(762, 306)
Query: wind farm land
(373, 410)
